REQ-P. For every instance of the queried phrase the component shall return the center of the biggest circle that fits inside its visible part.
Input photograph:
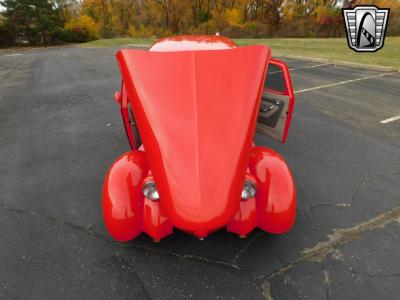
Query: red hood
(196, 113)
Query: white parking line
(390, 120)
(299, 68)
(14, 54)
(343, 82)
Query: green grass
(331, 49)
(102, 43)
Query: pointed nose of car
(202, 189)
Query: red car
(190, 106)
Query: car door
(277, 103)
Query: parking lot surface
(60, 131)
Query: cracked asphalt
(60, 131)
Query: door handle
(266, 108)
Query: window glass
(274, 79)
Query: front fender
(276, 192)
(122, 197)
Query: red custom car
(190, 106)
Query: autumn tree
(46, 21)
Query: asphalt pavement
(60, 130)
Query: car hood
(196, 113)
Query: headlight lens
(150, 191)
(249, 190)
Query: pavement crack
(90, 232)
(320, 205)
(186, 256)
(344, 235)
(266, 284)
(352, 271)
(362, 185)
(338, 238)
(86, 230)
(245, 247)
(327, 280)
(125, 264)
(266, 290)
(382, 192)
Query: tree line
(60, 21)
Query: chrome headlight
(150, 191)
(249, 190)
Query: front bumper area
(127, 213)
